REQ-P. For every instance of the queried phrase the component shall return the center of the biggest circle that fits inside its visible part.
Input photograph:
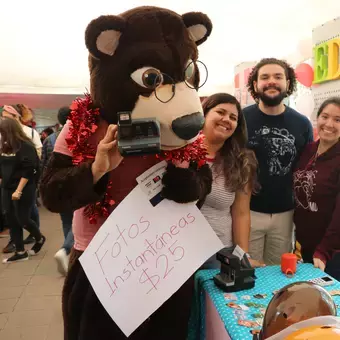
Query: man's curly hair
(290, 75)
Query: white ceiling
(42, 42)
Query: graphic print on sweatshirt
(304, 183)
(280, 148)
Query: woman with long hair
(23, 114)
(227, 207)
(19, 168)
(317, 193)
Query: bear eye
(190, 72)
(195, 74)
(147, 77)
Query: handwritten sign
(143, 254)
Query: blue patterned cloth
(269, 278)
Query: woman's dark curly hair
(289, 71)
(238, 164)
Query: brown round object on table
(294, 303)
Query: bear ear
(102, 35)
(198, 25)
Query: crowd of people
(24, 155)
(275, 190)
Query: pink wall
(38, 101)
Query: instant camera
(138, 136)
(236, 274)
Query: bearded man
(277, 134)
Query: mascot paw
(184, 185)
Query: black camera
(139, 136)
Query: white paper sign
(143, 254)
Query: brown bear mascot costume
(143, 61)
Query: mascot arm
(187, 185)
(66, 187)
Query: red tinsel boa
(192, 152)
(84, 119)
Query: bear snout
(188, 126)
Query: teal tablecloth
(268, 279)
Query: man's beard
(269, 100)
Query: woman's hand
(319, 264)
(16, 196)
(256, 264)
(107, 156)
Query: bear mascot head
(145, 61)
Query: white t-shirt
(34, 136)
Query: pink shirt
(123, 178)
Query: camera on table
(139, 136)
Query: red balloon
(304, 74)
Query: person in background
(63, 253)
(22, 114)
(317, 193)
(45, 133)
(227, 207)
(277, 134)
(19, 171)
(4, 232)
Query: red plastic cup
(288, 264)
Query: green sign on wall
(326, 61)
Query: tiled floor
(30, 291)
